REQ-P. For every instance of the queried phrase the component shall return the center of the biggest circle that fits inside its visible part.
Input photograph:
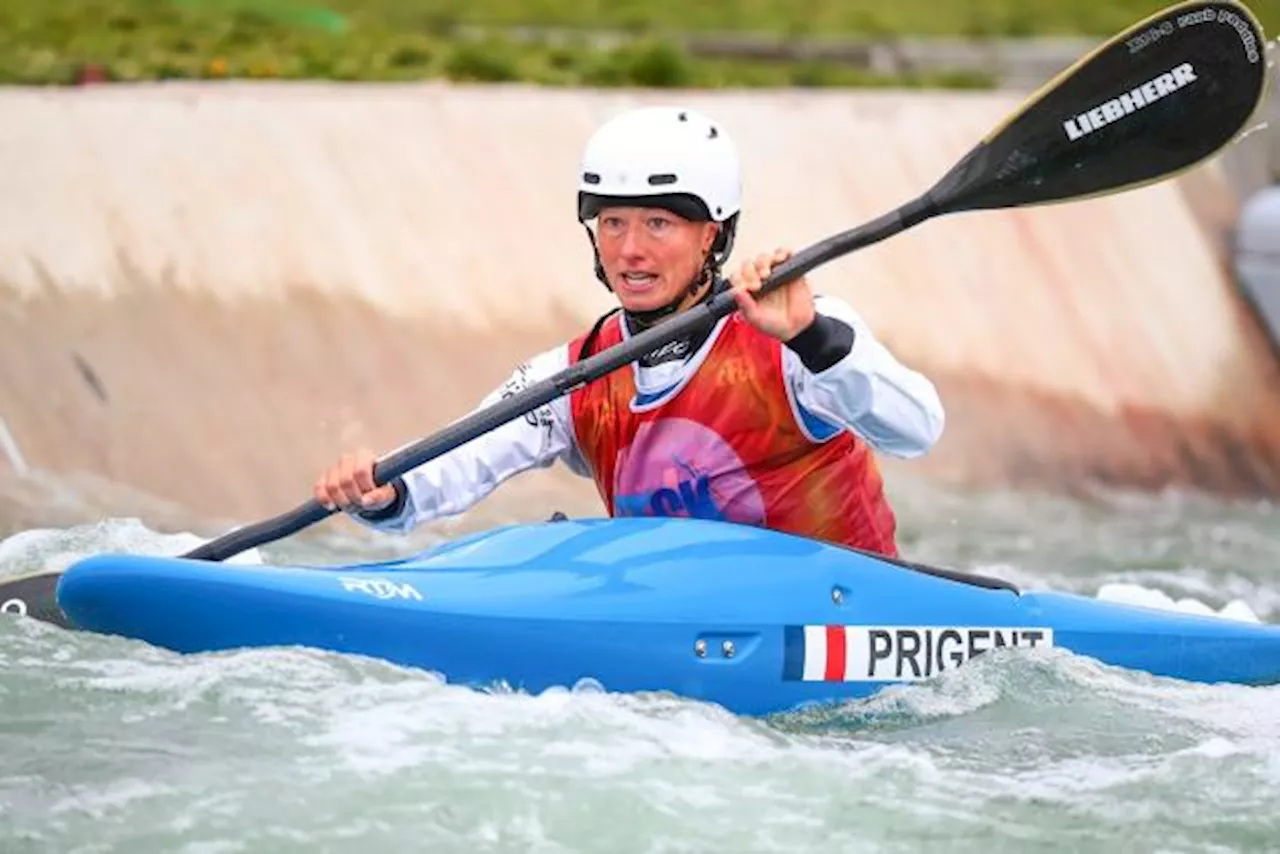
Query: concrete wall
(207, 291)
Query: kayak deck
(754, 620)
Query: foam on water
(397, 756)
(1136, 594)
(111, 743)
(53, 549)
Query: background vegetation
(551, 42)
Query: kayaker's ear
(709, 236)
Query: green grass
(794, 17)
(50, 41)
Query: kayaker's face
(651, 255)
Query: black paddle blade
(1150, 102)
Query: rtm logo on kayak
(894, 653)
(1135, 99)
(380, 588)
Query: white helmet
(668, 157)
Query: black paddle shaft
(1150, 102)
(576, 375)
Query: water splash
(54, 549)
(1136, 594)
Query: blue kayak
(754, 620)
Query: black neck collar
(681, 348)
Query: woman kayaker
(770, 417)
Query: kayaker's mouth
(637, 280)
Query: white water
(111, 745)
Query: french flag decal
(816, 654)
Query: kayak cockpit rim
(970, 578)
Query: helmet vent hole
(713, 133)
(663, 178)
(684, 117)
(591, 177)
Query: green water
(110, 745)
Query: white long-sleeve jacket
(891, 407)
